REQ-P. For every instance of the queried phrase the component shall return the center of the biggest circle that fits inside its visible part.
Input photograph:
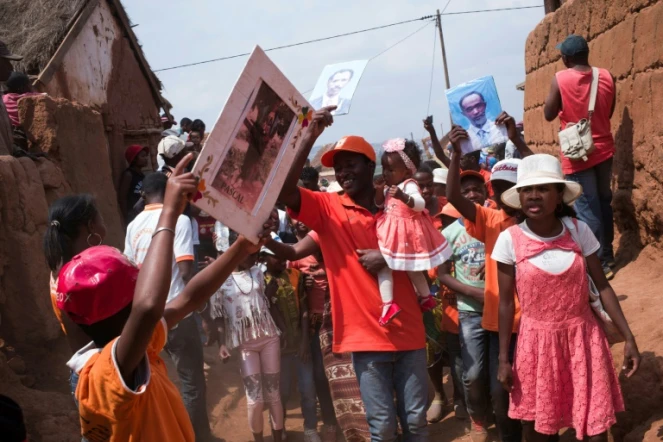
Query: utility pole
(444, 55)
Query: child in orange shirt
(124, 392)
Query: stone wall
(626, 37)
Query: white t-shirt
(222, 233)
(195, 235)
(139, 237)
(554, 261)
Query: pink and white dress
(563, 369)
(407, 238)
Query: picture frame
(475, 105)
(427, 146)
(337, 85)
(247, 155)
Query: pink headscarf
(397, 145)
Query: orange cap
(351, 143)
(473, 173)
(449, 210)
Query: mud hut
(86, 51)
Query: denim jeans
(510, 430)
(186, 351)
(383, 375)
(474, 352)
(457, 368)
(594, 206)
(312, 384)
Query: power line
(445, 7)
(426, 17)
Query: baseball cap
(170, 146)
(572, 45)
(6, 53)
(440, 176)
(132, 152)
(506, 170)
(472, 173)
(351, 143)
(449, 210)
(96, 284)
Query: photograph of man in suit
(337, 81)
(482, 131)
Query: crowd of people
(364, 292)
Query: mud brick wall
(625, 37)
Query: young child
(124, 392)
(408, 240)
(247, 317)
(563, 372)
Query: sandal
(391, 313)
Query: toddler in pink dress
(408, 240)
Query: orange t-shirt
(111, 411)
(343, 228)
(487, 227)
(486, 176)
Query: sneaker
(427, 303)
(329, 433)
(311, 436)
(390, 314)
(608, 272)
(460, 412)
(478, 433)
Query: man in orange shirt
(486, 224)
(389, 361)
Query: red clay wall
(626, 37)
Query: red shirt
(343, 228)
(486, 176)
(315, 296)
(11, 103)
(574, 87)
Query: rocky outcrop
(625, 37)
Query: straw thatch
(35, 29)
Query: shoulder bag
(576, 138)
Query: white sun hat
(506, 170)
(440, 176)
(536, 170)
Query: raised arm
(154, 277)
(454, 196)
(510, 123)
(437, 146)
(294, 252)
(614, 310)
(290, 192)
(507, 311)
(553, 101)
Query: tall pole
(444, 54)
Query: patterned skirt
(349, 408)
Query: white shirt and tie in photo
(487, 135)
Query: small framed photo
(337, 85)
(427, 145)
(247, 155)
(475, 105)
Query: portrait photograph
(336, 86)
(475, 105)
(248, 153)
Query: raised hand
(321, 120)
(181, 187)
(507, 120)
(457, 136)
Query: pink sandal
(392, 312)
(427, 303)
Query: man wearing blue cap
(569, 99)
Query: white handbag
(611, 331)
(576, 138)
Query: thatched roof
(35, 29)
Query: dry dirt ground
(51, 417)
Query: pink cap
(96, 284)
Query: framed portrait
(475, 105)
(248, 153)
(427, 145)
(337, 85)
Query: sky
(393, 95)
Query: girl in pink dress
(406, 235)
(563, 375)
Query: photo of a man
(337, 85)
(475, 106)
